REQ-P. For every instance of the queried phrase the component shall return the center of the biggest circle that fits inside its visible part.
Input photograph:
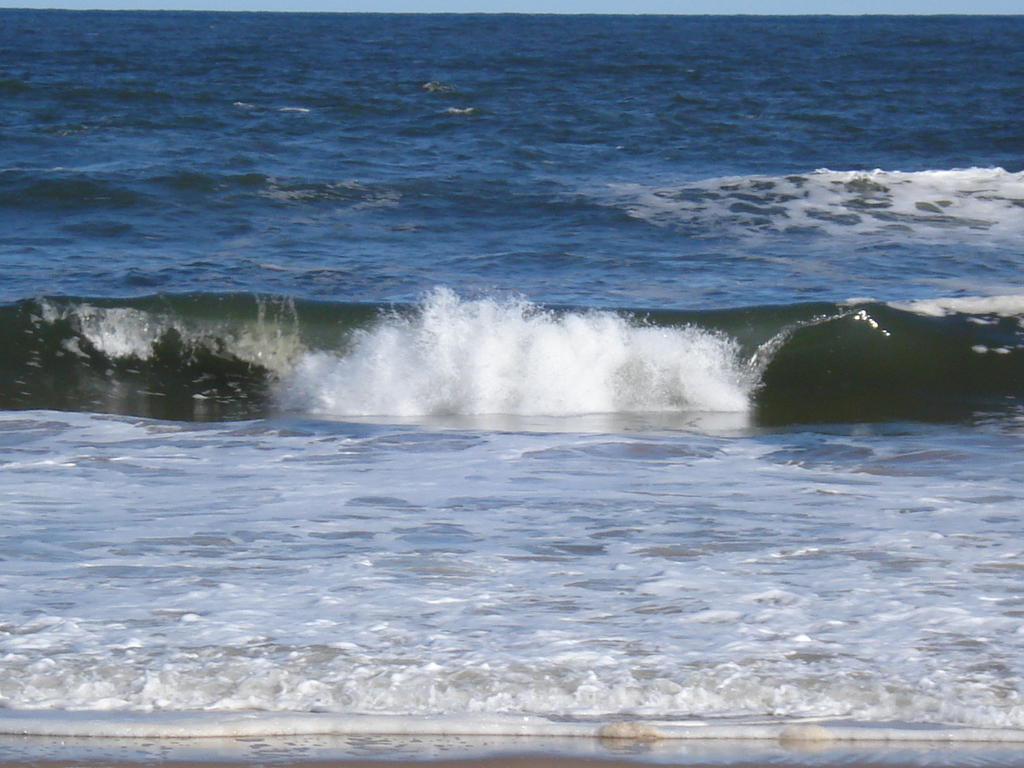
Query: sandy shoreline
(510, 761)
(505, 761)
(457, 752)
(61, 739)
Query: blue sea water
(482, 368)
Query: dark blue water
(662, 163)
(147, 152)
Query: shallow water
(315, 566)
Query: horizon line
(848, 14)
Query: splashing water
(487, 356)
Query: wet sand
(377, 752)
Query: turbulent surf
(212, 357)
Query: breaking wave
(457, 357)
(215, 357)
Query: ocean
(494, 376)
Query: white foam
(334, 568)
(252, 724)
(928, 204)
(1011, 305)
(271, 339)
(486, 356)
(116, 332)
(436, 86)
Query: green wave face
(233, 356)
(878, 363)
(195, 357)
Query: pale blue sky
(554, 6)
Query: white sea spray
(489, 356)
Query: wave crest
(474, 357)
(213, 357)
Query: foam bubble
(486, 356)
